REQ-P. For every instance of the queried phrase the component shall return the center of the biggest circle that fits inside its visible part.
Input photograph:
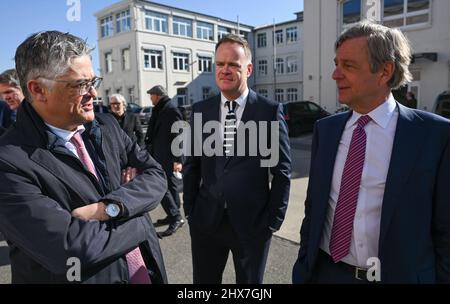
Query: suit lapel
(326, 152)
(65, 172)
(406, 148)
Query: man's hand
(95, 211)
(128, 174)
(177, 167)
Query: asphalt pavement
(284, 247)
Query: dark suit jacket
(252, 205)
(159, 136)
(132, 126)
(42, 182)
(5, 115)
(414, 243)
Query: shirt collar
(65, 134)
(381, 115)
(241, 100)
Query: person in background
(11, 92)
(158, 140)
(129, 122)
(411, 101)
(5, 116)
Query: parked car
(301, 116)
(186, 111)
(144, 114)
(134, 108)
(442, 106)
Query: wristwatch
(112, 210)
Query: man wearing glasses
(63, 210)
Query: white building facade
(142, 44)
(426, 23)
(278, 60)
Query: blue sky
(20, 18)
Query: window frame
(261, 39)
(291, 33)
(182, 24)
(205, 28)
(176, 57)
(107, 27)
(123, 16)
(205, 61)
(159, 62)
(152, 18)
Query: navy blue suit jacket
(253, 206)
(414, 243)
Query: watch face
(112, 210)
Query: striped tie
(229, 132)
(341, 232)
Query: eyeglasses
(83, 87)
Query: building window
(263, 92)
(107, 27)
(206, 92)
(123, 21)
(153, 59)
(205, 64)
(155, 22)
(292, 94)
(262, 67)
(291, 65)
(181, 62)
(351, 12)
(222, 32)
(181, 96)
(280, 65)
(108, 62)
(279, 95)
(182, 27)
(279, 36)
(119, 91)
(398, 13)
(205, 31)
(126, 65)
(131, 94)
(262, 40)
(244, 35)
(291, 34)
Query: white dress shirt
(366, 226)
(241, 102)
(67, 136)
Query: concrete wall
(283, 50)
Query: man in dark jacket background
(158, 141)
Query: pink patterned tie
(77, 141)
(341, 232)
(136, 266)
